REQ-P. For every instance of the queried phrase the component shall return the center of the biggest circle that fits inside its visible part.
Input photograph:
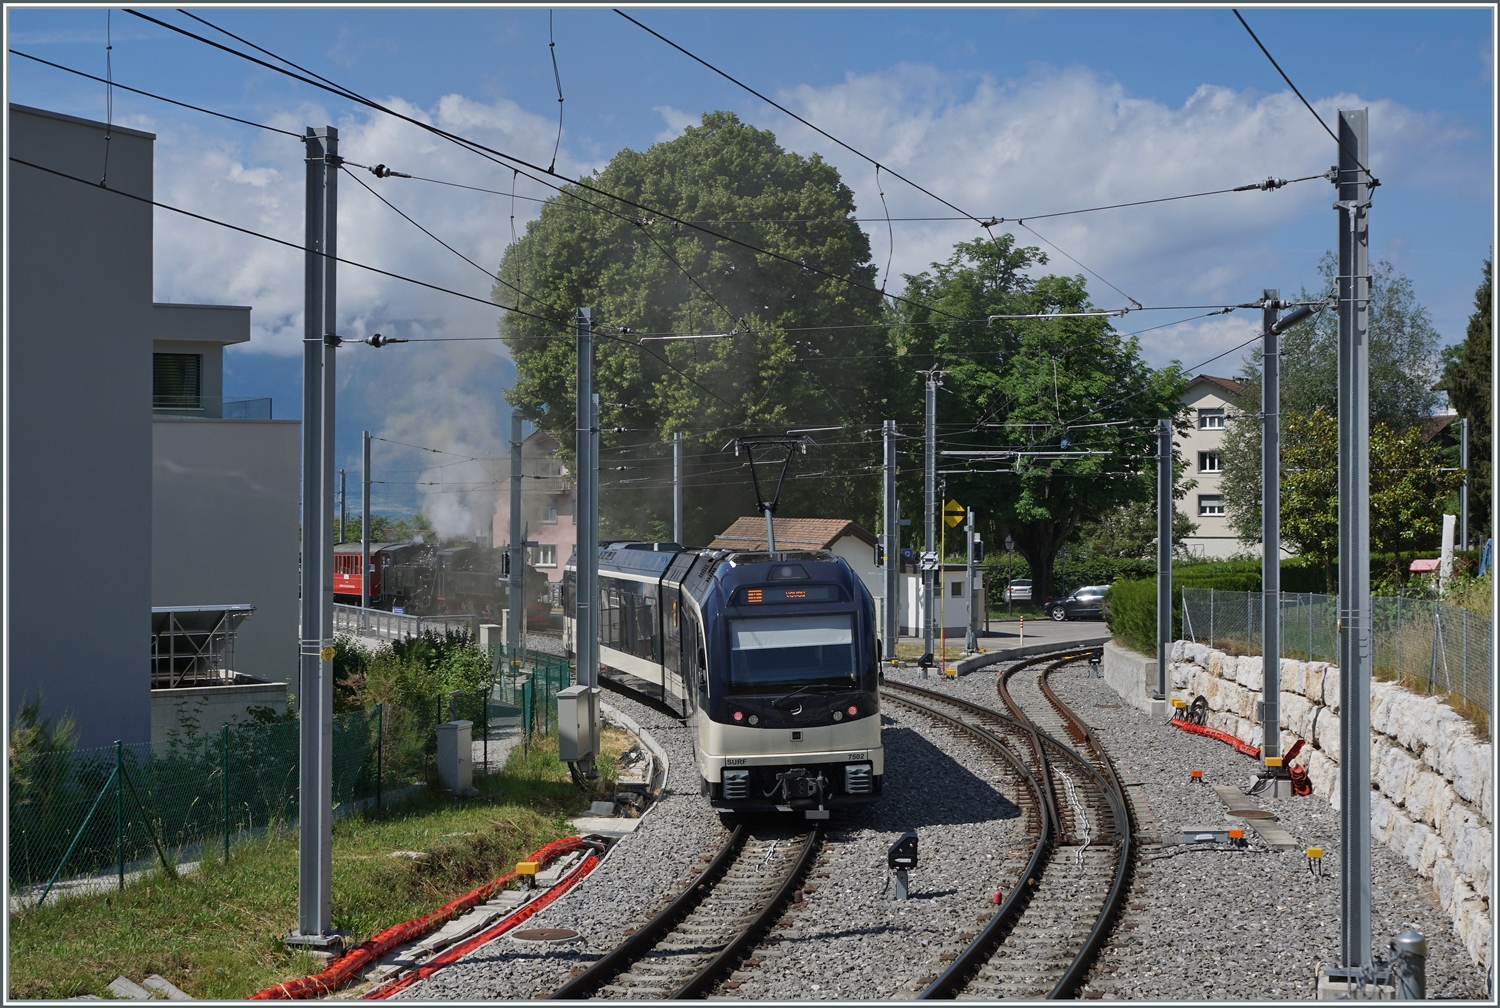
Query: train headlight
(838, 715)
(739, 715)
(754, 719)
(853, 710)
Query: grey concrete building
(122, 497)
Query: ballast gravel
(626, 889)
(1208, 923)
(851, 939)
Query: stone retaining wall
(1432, 800)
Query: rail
(397, 626)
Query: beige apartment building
(1210, 403)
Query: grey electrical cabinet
(577, 723)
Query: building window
(544, 555)
(551, 518)
(958, 589)
(1210, 504)
(1208, 462)
(176, 381)
(1211, 419)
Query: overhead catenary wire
(500, 157)
(1373, 180)
(856, 152)
(157, 97)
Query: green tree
(1128, 532)
(1408, 485)
(1026, 386)
(1403, 368)
(645, 276)
(1466, 379)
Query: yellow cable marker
(1273, 761)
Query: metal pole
(315, 689)
(1163, 554)
(379, 754)
(892, 529)
(1270, 516)
(929, 516)
(343, 506)
(677, 487)
(1409, 956)
(120, 811)
(1463, 488)
(971, 640)
(224, 770)
(586, 595)
(517, 583)
(364, 533)
(1354, 537)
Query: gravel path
(1218, 924)
(851, 939)
(641, 871)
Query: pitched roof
(749, 534)
(1231, 385)
(1435, 426)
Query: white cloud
(677, 122)
(1061, 139)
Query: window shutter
(175, 381)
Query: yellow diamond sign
(326, 654)
(953, 513)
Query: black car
(1085, 603)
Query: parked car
(1085, 603)
(1019, 590)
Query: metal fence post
(224, 771)
(1409, 956)
(1210, 617)
(379, 752)
(1464, 668)
(120, 810)
(1436, 636)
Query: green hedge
(1130, 606)
(1130, 613)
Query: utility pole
(1463, 489)
(1354, 656)
(343, 507)
(1270, 524)
(891, 527)
(1163, 555)
(586, 594)
(315, 673)
(677, 487)
(971, 640)
(364, 530)
(1270, 515)
(929, 518)
(516, 584)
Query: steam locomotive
(774, 656)
(436, 579)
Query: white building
(131, 486)
(1210, 403)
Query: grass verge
(215, 932)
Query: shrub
(1130, 613)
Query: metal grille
(736, 784)
(858, 779)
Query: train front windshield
(776, 652)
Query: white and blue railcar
(773, 656)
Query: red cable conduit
(489, 934)
(1245, 747)
(347, 966)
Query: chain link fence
(1426, 645)
(93, 816)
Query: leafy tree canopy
(1466, 379)
(1408, 486)
(643, 276)
(1404, 363)
(1025, 385)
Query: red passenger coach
(347, 558)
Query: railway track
(1043, 939)
(700, 936)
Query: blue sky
(1003, 111)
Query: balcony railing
(212, 407)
